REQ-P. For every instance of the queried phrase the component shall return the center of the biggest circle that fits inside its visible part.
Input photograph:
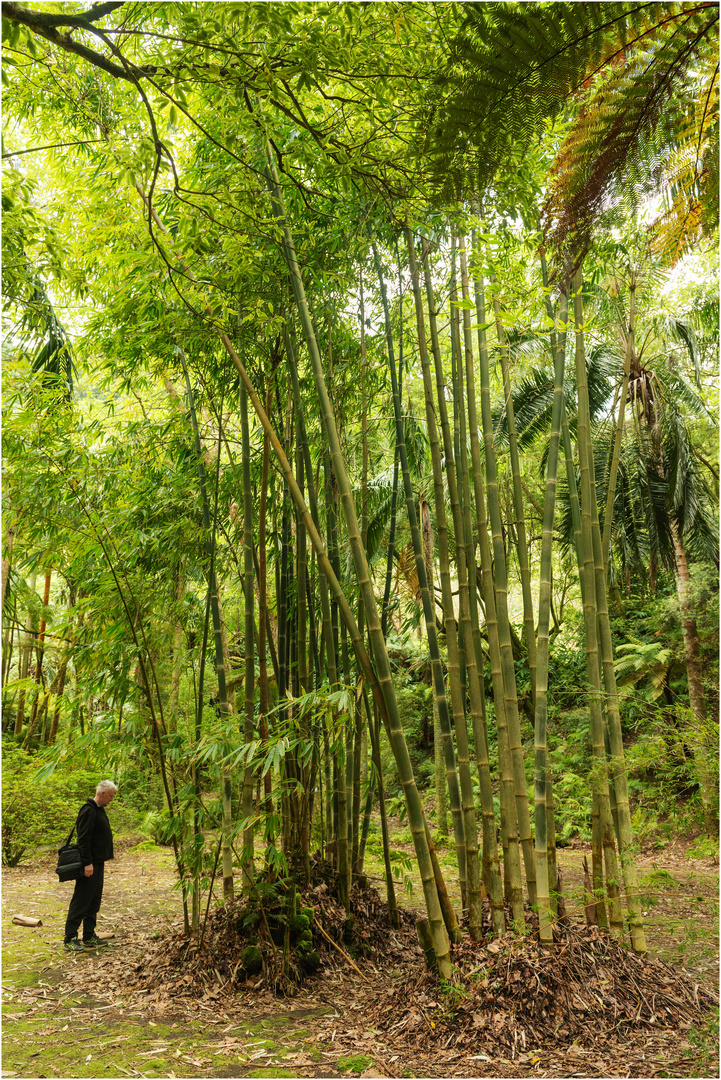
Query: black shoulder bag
(70, 861)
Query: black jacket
(95, 836)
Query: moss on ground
(355, 1063)
(258, 1074)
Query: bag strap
(70, 834)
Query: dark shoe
(95, 942)
(74, 946)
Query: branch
(98, 10)
(36, 19)
(52, 146)
(44, 26)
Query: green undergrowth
(704, 1039)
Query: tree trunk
(702, 745)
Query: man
(96, 847)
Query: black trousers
(85, 903)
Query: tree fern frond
(691, 179)
(632, 69)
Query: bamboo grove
(293, 321)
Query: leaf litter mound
(515, 995)
(183, 967)
(508, 995)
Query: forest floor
(83, 1016)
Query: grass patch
(355, 1063)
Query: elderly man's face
(105, 797)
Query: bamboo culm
(384, 678)
(616, 763)
(457, 696)
(248, 601)
(223, 706)
(507, 718)
(602, 809)
(544, 619)
(439, 690)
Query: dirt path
(67, 1016)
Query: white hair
(106, 785)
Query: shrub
(38, 812)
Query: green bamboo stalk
(551, 837)
(301, 575)
(326, 621)
(439, 691)
(223, 706)
(263, 686)
(599, 777)
(365, 828)
(248, 600)
(374, 732)
(384, 678)
(439, 765)
(360, 761)
(489, 847)
(556, 343)
(465, 357)
(573, 496)
(331, 527)
(340, 751)
(490, 858)
(311, 528)
(616, 457)
(305, 772)
(565, 434)
(469, 650)
(349, 737)
(517, 818)
(544, 620)
(613, 736)
(282, 593)
(24, 663)
(466, 785)
(487, 571)
(8, 644)
(522, 546)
